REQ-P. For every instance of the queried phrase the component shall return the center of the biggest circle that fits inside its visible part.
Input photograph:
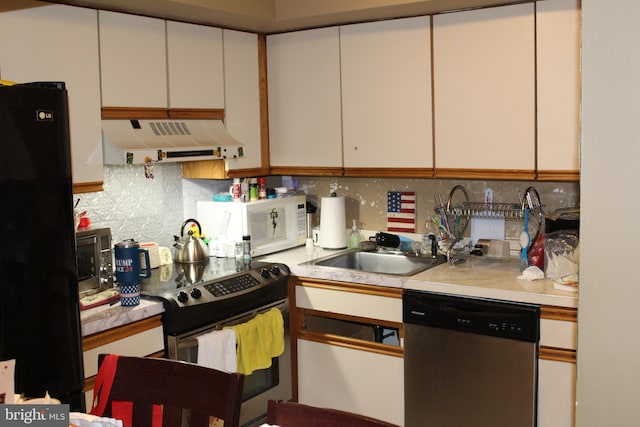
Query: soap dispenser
(355, 237)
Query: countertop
(105, 317)
(482, 277)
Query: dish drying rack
(492, 210)
(456, 215)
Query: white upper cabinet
(484, 89)
(149, 62)
(133, 61)
(60, 43)
(303, 70)
(558, 73)
(195, 66)
(386, 94)
(242, 89)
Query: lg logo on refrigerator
(44, 115)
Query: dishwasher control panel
(517, 321)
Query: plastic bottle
(355, 237)
(262, 188)
(253, 190)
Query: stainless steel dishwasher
(469, 362)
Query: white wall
(609, 332)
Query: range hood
(136, 141)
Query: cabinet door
(386, 94)
(558, 75)
(133, 60)
(351, 380)
(195, 66)
(484, 88)
(242, 99)
(556, 393)
(64, 48)
(303, 71)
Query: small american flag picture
(401, 211)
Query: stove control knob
(182, 297)
(275, 270)
(196, 293)
(264, 273)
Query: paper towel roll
(333, 229)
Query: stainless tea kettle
(192, 249)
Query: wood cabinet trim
(390, 172)
(263, 91)
(348, 287)
(306, 171)
(552, 175)
(438, 173)
(557, 354)
(115, 334)
(88, 187)
(349, 318)
(196, 113)
(507, 174)
(204, 169)
(559, 313)
(123, 113)
(144, 113)
(352, 343)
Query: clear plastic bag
(562, 254)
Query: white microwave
(273, 224)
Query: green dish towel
(259, 340)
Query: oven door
(261, 385)
(88, 259)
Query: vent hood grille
(171, 140)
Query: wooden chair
(291, 414)
(184, 391)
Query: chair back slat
(184, 391)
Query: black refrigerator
(39, 308)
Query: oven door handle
(191, 342)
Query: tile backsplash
(134, 206)
(147, 210)
(366, 198)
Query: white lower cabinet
(557, 367)
(339, 366)
(141, 338)
(556, 393)
(352, 380)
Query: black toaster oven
(94, 260)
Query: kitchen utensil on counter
(129, 271)
(191, 249)
(311, 218)
(333, 230)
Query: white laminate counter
(105, 317)
(481, 277)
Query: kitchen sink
(380, 262)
